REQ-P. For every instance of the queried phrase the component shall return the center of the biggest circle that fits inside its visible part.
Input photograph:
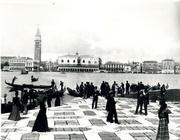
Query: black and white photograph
(90, 69)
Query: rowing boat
(18, 86)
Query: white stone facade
(78, 63)
(20, 63)
(168, 66)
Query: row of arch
(77, 69)
(74, 61)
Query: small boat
(18, 86)
(23, 71)
(73, 92)
(101, 71)
(34, 79)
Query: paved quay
(77, 121)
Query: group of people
(87, 90)
(20, 104)
(116, 89)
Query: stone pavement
(77, 121)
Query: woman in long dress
(15, 113)
(58, 99)
(41, 123)
(163, 114)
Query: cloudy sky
(117, 30)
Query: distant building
(150, 67)
(114, 66)
(136, 67)
(78, 63)
(159, 67)
(5, 59)
(168, 66)
(20, 63)
(177, 68)
(37, 50)
(127, 68)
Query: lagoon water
(71, 79)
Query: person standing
(41, 123)
(95, 97)
(111, 108)
(163, 114)
(146, 100)
(122, 86)
(103, 87)
(114, 88)
(81, 89)
(162, 92)
(15, 113)
(25, 102)
(58, 99)
(127, 87)
(139, 101)
(49, 98)
(61, 84)
(13, 80)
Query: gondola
(24, 72)
(18, 86)
(73, 92)
(34, 79)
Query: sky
(116, 30)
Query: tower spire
(38, 33)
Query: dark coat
(111, 104)
(41, 124)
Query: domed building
(78, 63)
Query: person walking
(15, 113)
(41, 123)
(111, 108)
(95, 97)
(163, 114)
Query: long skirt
(41, 124)
(57, 101)
(163, 132)
(15, 113)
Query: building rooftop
(112, 62)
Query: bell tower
(37, 51)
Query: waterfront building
(127, 68)
(5, 59)
(150, 67)
(136, 67)
(114, 66)
(177, 68)
(37, 51)
(78, 63)
(168, 66)
(49, 66)
(21, 63)
(159, 67)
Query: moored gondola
(34, 79)
(29, 86)
(73, 92)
